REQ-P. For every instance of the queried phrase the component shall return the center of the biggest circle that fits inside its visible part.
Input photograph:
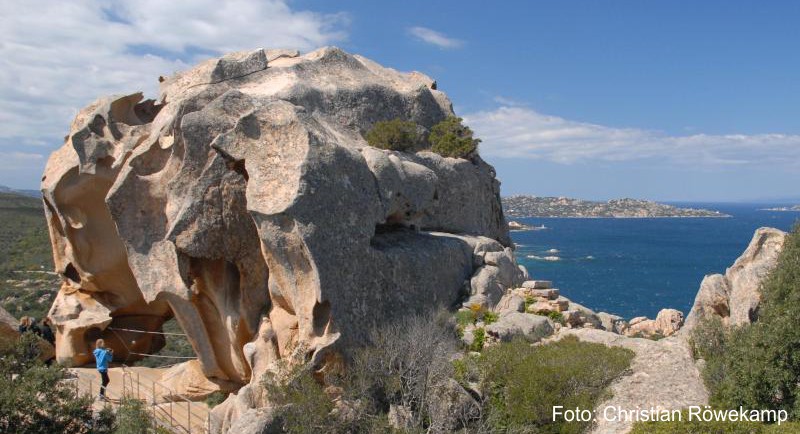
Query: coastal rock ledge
(245, 203)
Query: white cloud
(57, 56)
(519, 132)
(433, 37)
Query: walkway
(179, 416)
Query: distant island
(533, 206)
(782, 208)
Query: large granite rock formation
(245, 203)
(734, 297)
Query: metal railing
(169, 409)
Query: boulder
(245, 203)
(510, 303)
(735, 296)
(532, 327)
(187, 380)
(537, 284)
(612, 323)
(540, 306)
(452, 407)
(544, 293)
(667, 323)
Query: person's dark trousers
(104, 377)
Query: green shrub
(132, 417)
(553, 315)
(302, 404)
(216, 398)
(524, 382)
(480, 336)
(395, 135)
(686, 426)
(24, 407)
(758, 366)
(490, 317)
(451, 138)
(466, 317)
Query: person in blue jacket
(102, 356)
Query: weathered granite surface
(245, 203)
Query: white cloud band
(519, 132)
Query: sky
(671, 101)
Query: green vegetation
(24, 240)
(553, 315)
(24, 408)
(395, 135)
(490, 317)
(451, 138)
(408, 368)
(304, 407)
(466, 317)
(216, 399)
(480, 338)
(525, 381)
(757, 366)
(686, 426)
(39, 399)
(25, 257)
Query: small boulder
(551, 294)
(669, 321)
(537, 284)
(533, 327)
(510, 303)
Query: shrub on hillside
(395, 135)
(451, 138)
(524, 382)
(686, 426)
(34, 398)
(758, 366)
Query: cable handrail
(147, 332)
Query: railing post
(189, 416)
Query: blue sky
(670, 100)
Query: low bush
(479, 339)
(524, 382)
(216, 398)
(758, 365)
(490, 317)
(395, 135)
(34, 398)
(451, 138)
(553, 315)
(686, 426)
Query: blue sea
(633, 267)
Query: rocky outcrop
(667, 323)
(734, 297)
(245, 203)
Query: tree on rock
(451, 138)
(395, 135)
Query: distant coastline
(563, 207)
(795, 208)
